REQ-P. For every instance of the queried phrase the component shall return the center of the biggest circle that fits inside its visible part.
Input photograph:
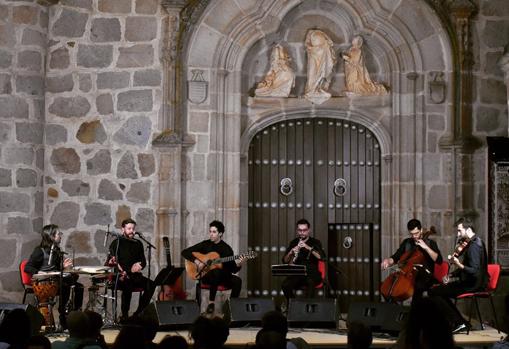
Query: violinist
(417, 243)
(470, 272)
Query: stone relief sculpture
(357, 80)
(280, 79)
(321, 59)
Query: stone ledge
(302, 103)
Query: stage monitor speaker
(312, 312)
(380, 317)
(248, 309)
(36, 318)
(172, 313)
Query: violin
(461, 246)
(399, 285)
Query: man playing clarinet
(303, 250)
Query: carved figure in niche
(321, 60)
(280, 79)
(357, 80)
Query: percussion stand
(115, 287)
(60, 290)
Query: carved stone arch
(229, 48)
(380, 132)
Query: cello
(399, 285)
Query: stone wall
(490, 114)
(23, 42)
(81, 91)
(81, 94)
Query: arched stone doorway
(326, 170)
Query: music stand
(288, 270)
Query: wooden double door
(327, 171)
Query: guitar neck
(227, 259)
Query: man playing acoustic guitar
(202, 254)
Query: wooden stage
(240, 338)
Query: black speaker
(170, 313)
(36, 318)
(312, 312)
(380, 317)
(248, 309)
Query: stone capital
(170, 139)
(463, 8)
(173, 5)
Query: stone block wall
(23, 40)
(490, 114)
(80, 95)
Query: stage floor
(323, 338)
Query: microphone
(139, 234)
(106, 234)
(50, 259)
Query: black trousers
(290, 283)
(63, 307)
(128, 285)
(443, 295)
(217, 277)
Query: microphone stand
(149, 252)
(115, 287)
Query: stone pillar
(460, 141)
(504, 65)
(172, 68)
(169, 211)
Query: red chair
(203, 286)
(494, 273)
(440, 271)
(323, 272)
(26, 280)
(321, 269)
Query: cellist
(424, 274)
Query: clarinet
(296, 255)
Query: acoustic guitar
(212, 260)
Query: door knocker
(347, 242)
(339, 187)
(286, 186)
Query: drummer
(48, 257)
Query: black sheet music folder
(288, 269)
(168, 276)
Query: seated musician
(127, 255)
(417, 241)
(215, 276)
(303, 250)
(469, 275)
(48, 257)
